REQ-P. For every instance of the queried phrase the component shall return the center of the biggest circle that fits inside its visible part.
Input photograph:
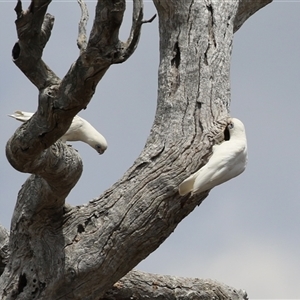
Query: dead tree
(56, 251)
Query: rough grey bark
(140, 285)
(4, 237)
(62, 252)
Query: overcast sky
(246, 232)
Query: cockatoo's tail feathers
(22, 116)
(187, 185)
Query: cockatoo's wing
(74, 132)
(79, 130)
(22, 116)
(228, 160)
(188, 184)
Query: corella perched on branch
(228, 160)
(80, 130)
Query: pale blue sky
(246, 233)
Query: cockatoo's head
(235, 128)
(100, 146)
(97, 141)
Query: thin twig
(150, 20)
(82, 39)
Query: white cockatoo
(79, 130)
(228, 160)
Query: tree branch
(105, 31)
(246, 9)
(130, 45)
(140, 285)
(34, 30)
(82, 40)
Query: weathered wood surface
(62, 252)
(139, 285)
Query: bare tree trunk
(60, 252)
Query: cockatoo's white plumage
(80, 130)
(228, 160)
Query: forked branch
(34, 29)
(130, 45)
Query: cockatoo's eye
(230, 125)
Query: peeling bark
(62, 252)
